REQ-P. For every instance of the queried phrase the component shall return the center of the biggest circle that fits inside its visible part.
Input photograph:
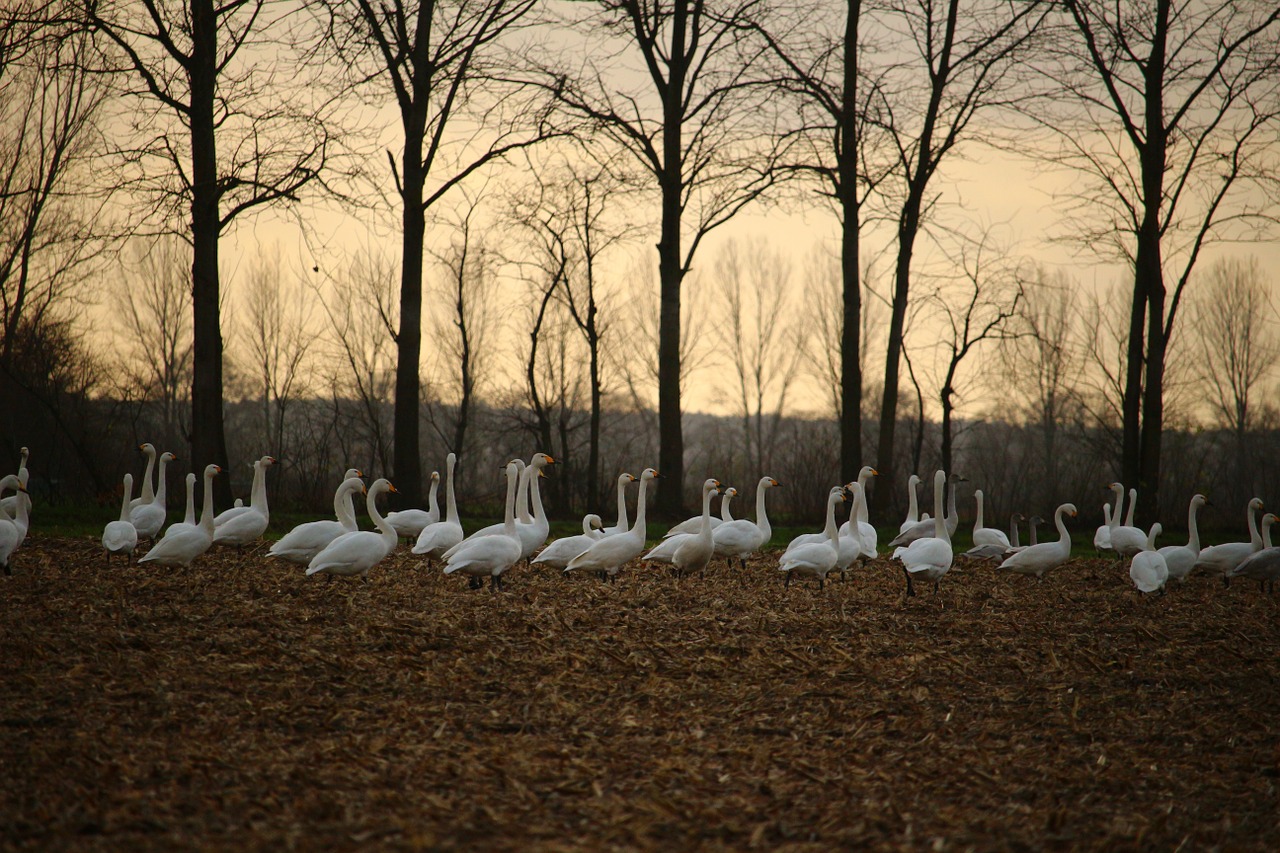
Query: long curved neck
(206, 512)
(1266, 530)
(535, 492)
(148, 493)
(190, 516)
(509, 517)
(832, 531)
(1118, 510)
(1064, 538)
(639, 527)
(1254, 539)
(705, 530)
(939, 518)
(913, 507)
(389, 537)
(1133, 501)
(258, 497)
(762, 517)
(128, 496)
(725, 514)
(343, 508)
(162, 484)
(1193, 540)
(433, 505)
(622, 504)
(1031, 528)
(951, 501)
(1013, 531)
(451, 505)
(522, 496)
(977, 522)
(855, 509)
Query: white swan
(997, 551)
(670, 546)
(865, 474)
(558, 554)
(12, 531)
(1126, 540)
(1147, 569)
(623, 525)
(491, 556)
(146, 494)
(983, 535)
(408, 523)
(1040, 558)
(1102, 536)
(1223, 558)
(925, 529)
(817, 559)
(437, 538)
(930, 557)
(149, 518)
(356, 553)
(181, 548)
(740, 539)
(610, 554)
(120, 536)
(1262, 565)
(533, 531)
(694, 523)
(241, 526)
(1181, 559)
(301, 544)
(9, 505)
(913, 506)
(821, 536)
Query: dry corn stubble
(241, 705)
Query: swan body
(356, 553)
(694, 524)
(1126, 540)
(1102, 536)
(531, 532)
(149, 518)
(865, 474)
(437, 538)
(1223, 558)
(611, 553)
(408, 523)
(925, 529)
(930, 557)
(1044, 556)
(997, 551)
(247, 524)
(817, 559)
(491, 556)
(12, 530)
(623, 525)
(1260, 564)
(9, 505)
(983, 535)
(301, 544)
(741, 538)
(1181, 559)
(120, 536)
(560, 552)
(189, 517)
(913, 507)
(183, 547)
(690, 552)
(823, 535)
(1148, 569)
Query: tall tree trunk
(1131, 402)
(208, 439)
(947, 406)
(671, 274)
(594, 497)
(407, 464)
(850, 337)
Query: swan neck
(977, 522)
(1193, 541)
(148, 492)
(622, 505)
(1254, 538)
(509, 517)
(1118, 509)
(1133, 502)
(189, 517)
(705, 529)
(1266, 532)
(384, 527)
(1064, 538)
(522, 496)
(913, 505)
(206, 512)
(162, 483)
(258, 496)
(1013, 532)
(939, 522)
(951, 499)
(725, 514)
(762, 518)
(639, 527)
(344, 508)
(535, 491)
(124, 501)
(855, 508)
(433, 505)
(451, 504)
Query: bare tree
(755, 336)
(1172, 114)
(208, 135)
(1236, 347)
(696, 128)
(956, 60)
(444, 65)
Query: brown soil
(240, 705)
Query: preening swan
(241, 526)
(1040, 558)
(491, 556)
(930, 557)
(181, 548)
(741, 538)
(1221, 559)
(1181, 559)
(301, 544)
(437, 538)
(611, 553)
(408, 523)
(560, 552)
(817, 559)
(1147, 569)
(356, 553)
(120, 537)
(149, 518)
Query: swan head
(167, 457)
(730, 492)
(147, 448)
(769, 482)
(1255, 504)
(867, 471)
(1069, 509)
(594, 522)
(435, 476)
(267, 460)
(913, 481)
(212, 470)
(711, 485)
(1035, 521)
(541, 459)
(191, 478)
(353, 472)
(650, 474)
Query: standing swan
(437, 538)
(491, 556)
(610, 554)
(622, 526)
(743, 538)
(146, 494)
(409, 522)
(913, 507)
(120, 536)
(931, 556)
(12, 531)
(1148, 570)
(301, 544)
(986, 535)
(239, 526)
(181, 548)
(558, 554)
(1223, 558)
(1126, 540)
(1181, 559)
(149, 518)
(1038, 559)
(669, 550)
(356, 553)
(817, 558)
